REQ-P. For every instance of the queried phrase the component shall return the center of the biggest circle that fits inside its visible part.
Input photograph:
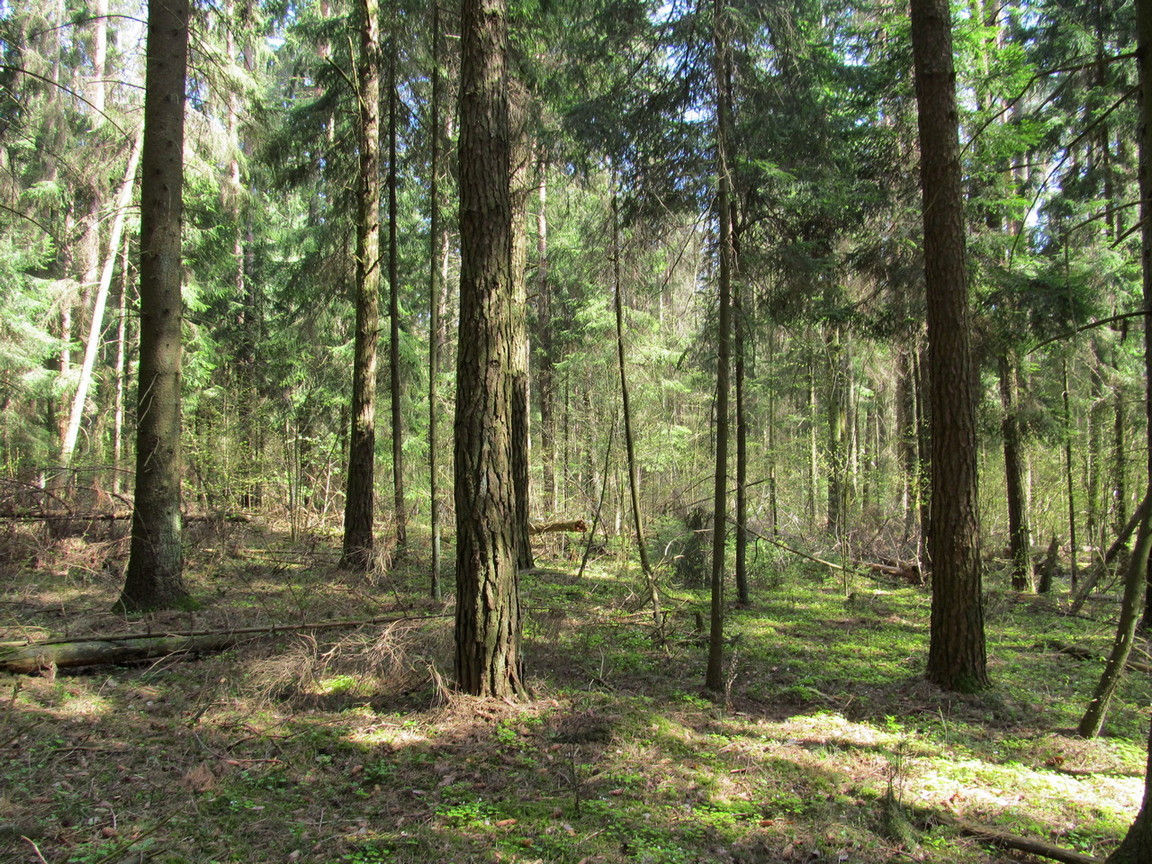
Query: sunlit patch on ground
(347, 747)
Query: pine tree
(154, 577)
(488, 616)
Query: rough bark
(359, 502)
(957, 655)
(488, 616)
(154, 577)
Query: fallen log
(34, 658)
(1084, 654)
(906, 572)
(114, 649)
(1014, 841)
(553, 527)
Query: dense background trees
(707, 175)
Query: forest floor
(347, 746)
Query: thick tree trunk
(360, 499)
(957, 655)
(488, 620)
(154, 577)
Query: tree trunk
(1093, 719)
(770, 434)
(520, 187)
(837, 423)
(488, 622)
(359, 503)
(1136, 848)
(1120, 458)
(906, 438)
(743, 596)
(400, 510)
(1093, 523)
(626, 406)
(154, 577)
(1019, 543)
(545, 377)
(714, 679)
(435, 289)
(813, 451)
(96, 328)
(1069, 485)
(118, 398)
(1134, 581)
(957, 656)
(923, 453)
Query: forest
(575, 431)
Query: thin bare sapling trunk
(626, 404)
